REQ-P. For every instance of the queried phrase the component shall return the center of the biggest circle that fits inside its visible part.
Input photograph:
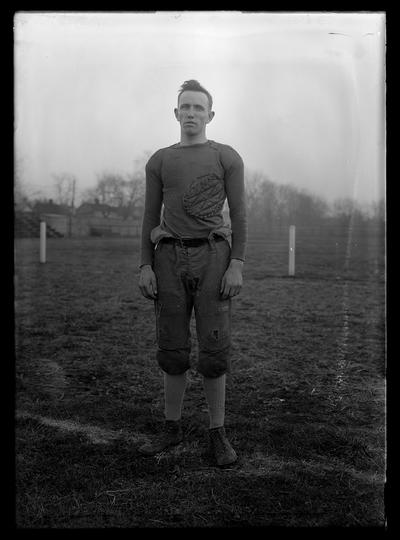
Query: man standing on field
(191, 259)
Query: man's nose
(190, 113)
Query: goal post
(292, 249)
(42, 241)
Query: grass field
(305, 399)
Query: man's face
(193, 112)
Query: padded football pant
(189, 278)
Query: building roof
(87, 208)
(49, 207)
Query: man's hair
(195, 86)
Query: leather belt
(189, 242)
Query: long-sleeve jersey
(186, 188)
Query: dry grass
(305, 402)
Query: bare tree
(20, 195)
(136, 183)
(113, 189)
(110, 189)
(89, 195)
(253, 180)
(65, 187)
(301, 207)
(378, 211)
(261, 199)
(118, 190)
(348, 212)
(134, 191)
(139, 163)
(21, 198)
(273, 205)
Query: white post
(42, 241)
(292, 248)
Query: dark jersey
(191, 184)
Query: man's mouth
(189, 124)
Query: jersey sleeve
(235, 191)
(152, 207)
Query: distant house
(49, 207)
(98, 209)
(131, 212)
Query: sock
(214, 389)
(174, 390)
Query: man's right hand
(148, 282)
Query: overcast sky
(300, 96)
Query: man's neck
(188, 141)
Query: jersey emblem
(205, 196)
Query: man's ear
(211, 115)
(176, 112)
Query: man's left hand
(232, 280)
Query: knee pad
(214, 363)
(173, 362)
